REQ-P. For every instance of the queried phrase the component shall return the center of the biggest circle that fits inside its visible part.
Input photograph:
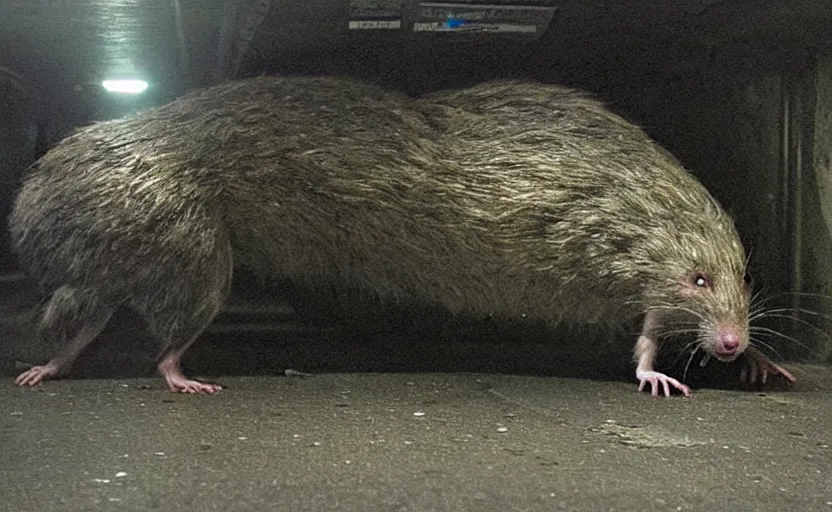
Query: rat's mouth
(726, 358)
(726, 351)
(727, 343)
(721, 357)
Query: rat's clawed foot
(759, 367)
(656, 378)
(34, 375)
(178, 383)
(184, 385)
(646, 349)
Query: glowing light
(125, 86)
(454, 22)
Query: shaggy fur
(508, 197)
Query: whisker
(802, 294)
(675, 307)
(691, 346)
(771, 332)
(757, 343)
(796, 310)
(687, 365)
(754, 309)
(804, 322)
(681, 329)
(756, 301)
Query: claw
(36, 374)
(178, 383)
(645, 352)
(657, 379)
(758, 368)
(776, 369)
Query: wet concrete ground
(414, 442)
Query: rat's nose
(727, 342)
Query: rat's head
(705, 289)
(718, 302)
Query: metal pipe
(791, 147)
(184, 57)
(796, 213)
(225, 42)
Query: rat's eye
(748, 280)
(700, 280)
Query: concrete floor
(414, 442)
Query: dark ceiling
(182, 43)
(61, 50)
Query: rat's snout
(727, 343)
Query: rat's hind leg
(180, 309)
(176, 381)
(69, 312)
(170, 366)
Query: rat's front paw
(758, 367)
(655, 379)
